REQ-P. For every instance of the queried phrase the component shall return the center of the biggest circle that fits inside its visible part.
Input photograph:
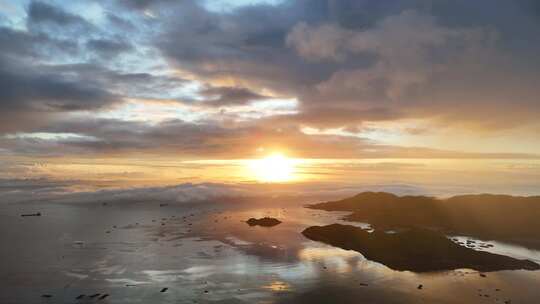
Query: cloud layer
(259, 75)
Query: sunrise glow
(273, 168)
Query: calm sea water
(206, 253)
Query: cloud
(18, 190)
(143, 4)
(17, 44)
(334, 117)
(210, 140)
(51, 93)
(244, 47)
(403, 57)
(43, 13)
(120, 23)
(193, 140)
(126, 84)
(107, 47)
(28, 94)
(224, 96)
(457, 66)
(410, 50)
(49, 190)
(325, 42)
(183, 193)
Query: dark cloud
(224, 96)
(40, 12)
(120, 23)
(335, 117)
(247, 44)
(29, 95)
(410, 57)
(49, 92)
(13, 42)
(125, 84)
(107, 47)
(145, 4)
(16, 44)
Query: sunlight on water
(278, 286)
(323, 253)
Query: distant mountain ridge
(500, 217)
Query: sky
(171, 84)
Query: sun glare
(273, 168)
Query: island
(417, 250)
(264, 222)
(505, 218)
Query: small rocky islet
(264, 222)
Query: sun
(273, 168)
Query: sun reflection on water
(278, 286)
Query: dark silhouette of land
(418, 250)
(497, 217)
(265, 222)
